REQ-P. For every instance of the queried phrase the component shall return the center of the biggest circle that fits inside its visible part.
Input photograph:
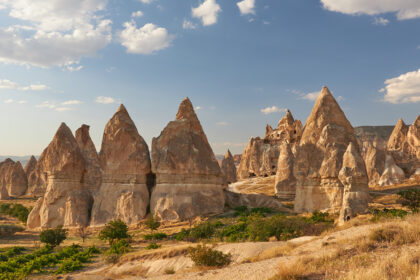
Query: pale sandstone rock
(189, 181)
(375, 164)
(354, 177)
(392, 174)
(65, 201)
(5, 166)
(228, 168)
(125, 162)
(93, 176)
(260, 156)
(12, 179)
(326, 136)
(233, 200)
(285, 185)
(30, 166)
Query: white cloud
(137, 14)
(54, 33)
(22, 101)
(403, 89)
(46, 104)
(7, 101)
(312, 96)
(222, 123)
(7, 84)
(144, 40)
(188, 25)
(246, 7)
(74, 69)
(405, 9)
(207, 12)
(380, 21)
(198, 108)
(62, 109)
(34, 87)
(146, 1)
(272, 109)
(71, 102)
(104, 100)
(266, 22)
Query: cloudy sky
(240, 62)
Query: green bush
(153, 246)
(155, 236)
(379, 214)
(182, 235)
(206, 256)
(152, 223)
(202, 231)
(319, 217)
(114, 230)
(15, 210)
(7, 230)
(411, 199)
(120, 247)
(53, 237)
(69, 266)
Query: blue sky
(75, 61)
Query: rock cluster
(125, 162)
(228, 169)
(328, 148)
(13, 181)
(260, 156)
(188, 178)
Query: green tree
(114, 230)
(53, 237)
(152, 223)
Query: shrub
(15, 210)
(202, 231)
(385, 213)
(155, 236)
(7, 230)
(152, 223)
(53, 237)
(114, 230)
(411, 199)
(69, 266)
(120, 247)
(319, 217)
(153, 246)
(182, 235)
(205, 256)
(169, 271)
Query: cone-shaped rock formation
(319, 159)
(228, 168)
(392, 174)
(30, 166)
(125, 162)
(285, 185)
(188, 178)
(13, 181)
(65, 201)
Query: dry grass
(273, 252)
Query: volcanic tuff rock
(404, 146)
(125, 162)
(355, 180)
(65, 201)
(319, 158)
(261, 155)
(228, 168)
(233, 199)
(93, 176)
(30, 166)
(392, 173)
(188, 178)
(5, 166)
(12, 179)
(285, 185)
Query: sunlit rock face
(319, 158)
(65, 202)
(392, 173)
(13, 181)
(189, 181)
(260, 156)
(285, 184)
(228, 169)
(125, 161)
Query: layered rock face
(228, 169)
(355, 180)
(189, 181)
(65, 201)
(13, 181)
(233, 199)
(404, 146)
(260, 156)
(30, 166)
(93, 176)
(319, 159)
(285, 185)
(392, 174)
(125, 162)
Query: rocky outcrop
(285, 185)
(233, 199)
(404, 146)
(125, 162)
(30, 166)
(355, 180)
(65, 201)
(228, 169)
(260, 156)
(93, 176)
(188, 178)
(319, 159)
(13, 181)
(392, 174)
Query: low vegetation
(206, 256)
(155, 236)
(7, 230)
(53, 237)
(15, 210)
(114, 231)
(411, 199)
(383, 214)
(153, 246)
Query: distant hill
(23, 159)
